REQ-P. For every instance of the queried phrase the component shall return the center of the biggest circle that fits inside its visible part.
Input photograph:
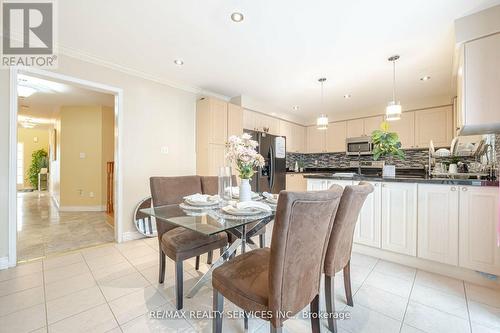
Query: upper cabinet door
(482, 82)
(371, 124)
(218, 121)
(335, 137)
(234, 120)
(355, 128)
(315, 140)
(249, 120)
(286, 130)
(299, 138)
(433, 124)
(405, 128)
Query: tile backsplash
(415, 158)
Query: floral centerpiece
(387, 144)
(242, 151)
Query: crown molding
(78, 54)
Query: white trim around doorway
(118, 181)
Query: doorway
(65, 183)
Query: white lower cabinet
(478, 221)
(438, 223)
(399, 218)
(367, 230)
(453, 225)
(317, 184)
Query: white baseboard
(82, 208)
(131, 235)
(4, 263)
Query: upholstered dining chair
(284, 278)
(180, 243)
(210, 185)
(338, 254)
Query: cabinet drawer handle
(464, 189)
(453, 189)
(376, 185)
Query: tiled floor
(43, 230)
(113, 288)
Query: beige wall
(154, 115)
(81, 156)
(27, 136)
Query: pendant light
(322, 120)
(393, 109)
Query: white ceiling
(51, 95)
(281, 48)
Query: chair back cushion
(340, 245)
(210, 184)
(301, 231)
(172, 190)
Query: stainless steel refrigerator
(272, 176)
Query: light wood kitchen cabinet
(296, 182)
(295, 136)
(316, 140)
(355, 128)
(480, 97)
(371, 124)
(211, 120)
(335, 137)
(477, 229)
(405, 128)
(249, 120)
(363, 126)
(433, 124)
(234, 120)
(399, 218)
(438, 223)
(299, 138)
(267, 124)
(216, 120)
(368, 226)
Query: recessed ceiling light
(347, 96)
(295, 107)
(237, 17)
(425, 78)
(178, 62)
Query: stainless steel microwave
(359, 146)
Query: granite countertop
(403, 179)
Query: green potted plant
(387, 144)
(39, 160)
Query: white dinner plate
(241, 212)
(202, 203)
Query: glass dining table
(210, 221)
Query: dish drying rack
(479, 150)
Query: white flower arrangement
(242, 151)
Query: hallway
(43, 230)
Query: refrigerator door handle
(271, 167)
